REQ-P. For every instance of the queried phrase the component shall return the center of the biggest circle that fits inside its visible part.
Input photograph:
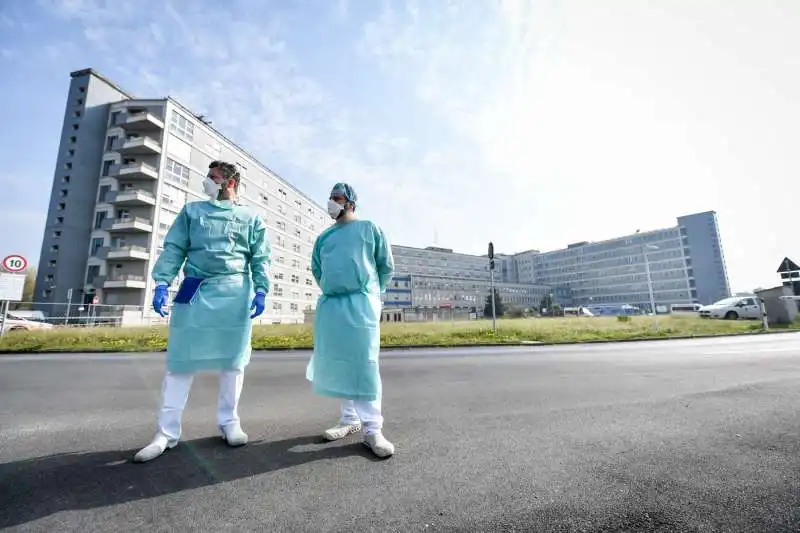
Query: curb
(400, 347)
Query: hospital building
(686, 263)
(125, 167)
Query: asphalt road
(660, 436)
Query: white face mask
(334, 209)
(211, 188)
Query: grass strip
(470, 333)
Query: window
(75, 127)
(79, 101)
(52, 263)
(70, 152)
(97, 243)
(181, 126)
(295, 278)
(107, 167)
(293, 307)
(103, 196)
(279, 275)
(92, 272)
(77, 114)
(59, 220)
(81, 90)
(64, 193)
(177, 173)
(73, 139)
(111, 141)
(99, 218)
(281, 225)
(54, 248)
(296, 248)
(281, 259)
(277, 306)
(68, 165)
(278, 291)
(56, 234)
(65, 179)
(62, 206)
(309, 281)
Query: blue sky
(530, 123)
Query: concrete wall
(778, 311)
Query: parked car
(734, 308)
(17, 323)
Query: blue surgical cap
(343, 189)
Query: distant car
(16, 323)
(734, 308)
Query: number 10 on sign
(15, 263)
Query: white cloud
(591, 119)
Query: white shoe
(379, 445)
(341, 431)
(233, 434)
(158, 446)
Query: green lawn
(548, 330)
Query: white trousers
(175, 394)
(368, 413)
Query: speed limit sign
(15, 263)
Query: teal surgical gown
(227, 246)
(352, 263)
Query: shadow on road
(36, 488)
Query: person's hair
(228, 170)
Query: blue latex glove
(258, 304)
(160, 300)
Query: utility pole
(491, 278)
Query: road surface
(660, 436)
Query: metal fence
(63, 315)
(85, 315)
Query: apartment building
(125, 168)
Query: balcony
(135, 171)
(140, 146)
(131, 197)
(124, 253)
(128, 225)
(142, 121)
(121, 281)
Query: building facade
(686, 265)
(126, 167)
(433, 278)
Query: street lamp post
(491, 286)
(650, 282)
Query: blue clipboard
(188, 290)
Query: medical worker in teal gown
(352, 263)
(223, 249)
